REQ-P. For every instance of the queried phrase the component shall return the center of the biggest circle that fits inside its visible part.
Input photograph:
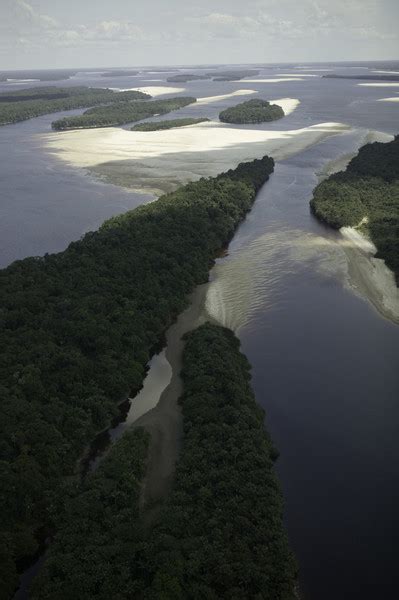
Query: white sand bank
(385, 84)
(392, 99)
(153, 90)
(275, 80)
(160, 161)
(369, 276)
(210, 99)
(390, 72)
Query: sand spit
(369, 276)
(275, 80)
(211, 99)
(160, 161)
(392, 99)
(387, 84)
(153, 90)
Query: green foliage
(78, 328)
(121, 113)
(26, 104)
(220, 533)
(368, 188)
(232, 75)
(170, 124)
(99, 532)
(183, 77)
(252, 111)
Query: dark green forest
(25, 104)
(232, 75)
(169, 124)
(184, 77)
(41, 75)
(121, 113)
(368, 188)
(252, 111)
(78, 328)
(220, 532)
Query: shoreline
(368, 276)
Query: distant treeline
(35, 102)
(119, 73)
(170, 124)
(375, 77)
(252, 111)
(47, 75)
(368, 188)
(183, 77)
(232, 75)
(220, 533)
(78, 328)
(121, 113)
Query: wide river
(325, 361)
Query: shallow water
(325, 363)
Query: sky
(125, 33)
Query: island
(252, 111)
(370, 77)
(170, 124)
(33, 102)
(183, 77)
(78, 329)
(219, 533)
(37, 75)
(366, 197)
(119, 113)
(233, 75)
(120, 73)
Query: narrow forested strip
(368, 193)
(78, 328)
(26, 104)
(220, 532)
(169, 124)
(121, 113)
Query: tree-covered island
(366, 196)
(33, 102)
(169, 124)
(252, 111)
(219, 533)
(78, 329)
(120, 113)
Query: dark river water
(325, 362)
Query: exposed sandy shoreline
(160, 161)
(370, 276)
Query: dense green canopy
(367, 192)
(169, 124)
(220, 533)
(26, 104)
(78, 328)
(252, 111)
(121, 113)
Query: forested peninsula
(121, 113)
(252, 111)
(25, 104)
(78, 328)
(366, 196)
(169, 124)
(232, 75)
(219, 533)
(184, 77)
